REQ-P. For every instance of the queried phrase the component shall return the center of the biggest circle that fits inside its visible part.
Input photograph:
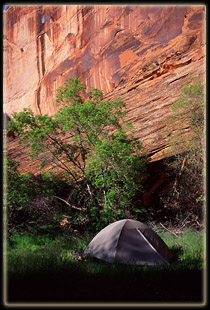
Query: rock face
(141, 54)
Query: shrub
(29, 198)
(186, 198)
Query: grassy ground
(42, 268)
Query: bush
(186, 199)
(30, 199)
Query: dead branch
(174, 189)
(171, 232)
(68, 204)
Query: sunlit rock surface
(141, 54)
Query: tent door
(165, 261)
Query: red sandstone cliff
(141, 54)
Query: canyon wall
(141, 54)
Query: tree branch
(171, 232)
(68, 204)
(62, 165)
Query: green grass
(187, 246)
(43, 268)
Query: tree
(190, 109)
(89, 141)
(187, 194)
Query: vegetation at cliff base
(99, 161)
(96, 170)
(96, 175)
(187, 195)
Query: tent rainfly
(129, 242)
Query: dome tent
(129, 242)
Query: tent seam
(152, 246)
(119, 239)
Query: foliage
(89, 141)
(190, 108)
(187, 194)
(29, 198)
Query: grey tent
(129, 242)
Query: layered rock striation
(141, 54)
